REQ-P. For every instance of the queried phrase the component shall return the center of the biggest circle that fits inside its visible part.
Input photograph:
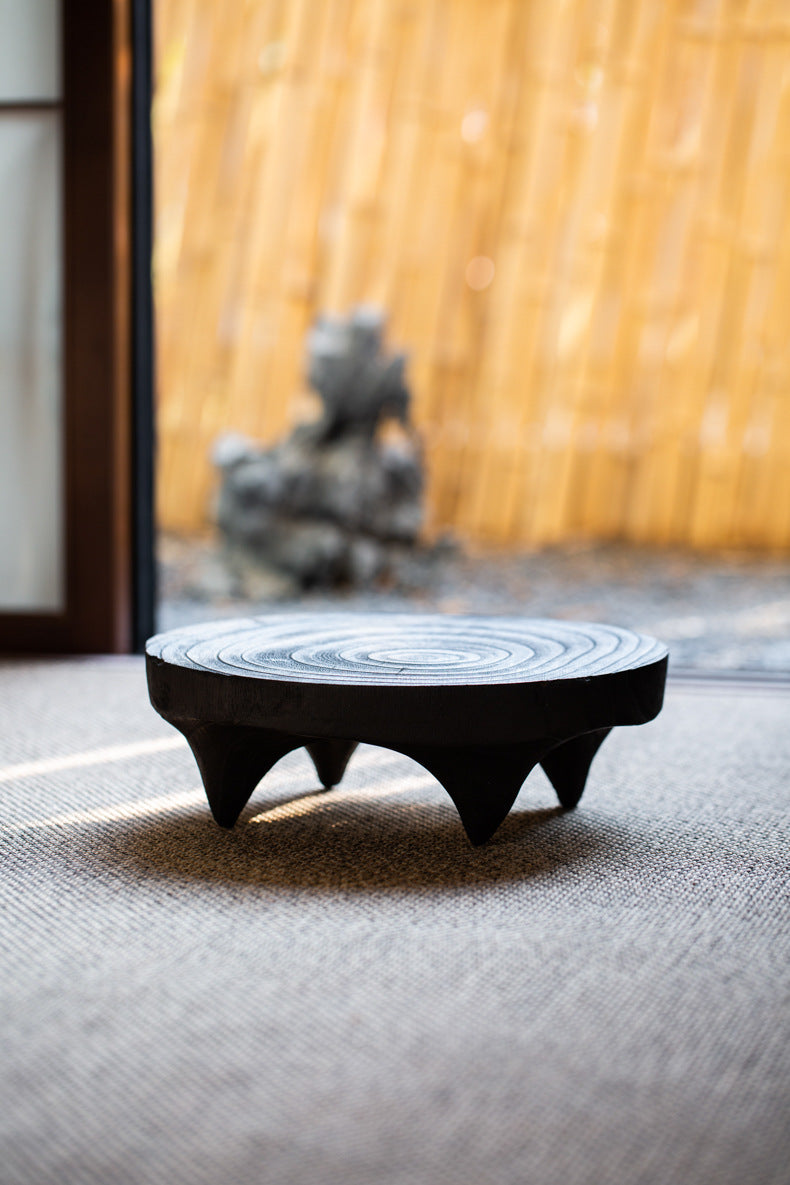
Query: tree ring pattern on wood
(383, 649)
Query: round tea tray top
(478, 701)
(405, 650)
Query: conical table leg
(330, 759)
(567, 765)
(482, 781)
(232, 759)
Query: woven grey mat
(343, 992)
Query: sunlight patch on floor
(308, 803)
(119, 812)
(51, 765)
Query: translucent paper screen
(31, 531)
(29, 50)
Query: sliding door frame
(107, 342)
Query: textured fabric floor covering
(343, 991)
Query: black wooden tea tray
(477, 701)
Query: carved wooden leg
(330, 759)
(232, 759)
(567, 765)
(483, 781)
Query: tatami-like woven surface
(343, 992)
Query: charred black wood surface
(478, 701)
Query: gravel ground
(718, 613)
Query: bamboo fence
(573, 211)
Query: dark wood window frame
(107, 421)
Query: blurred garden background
(573, 215)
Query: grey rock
(323, 504)
(357, 384)
(230, 448)
(366, 562)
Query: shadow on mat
(323, 840)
